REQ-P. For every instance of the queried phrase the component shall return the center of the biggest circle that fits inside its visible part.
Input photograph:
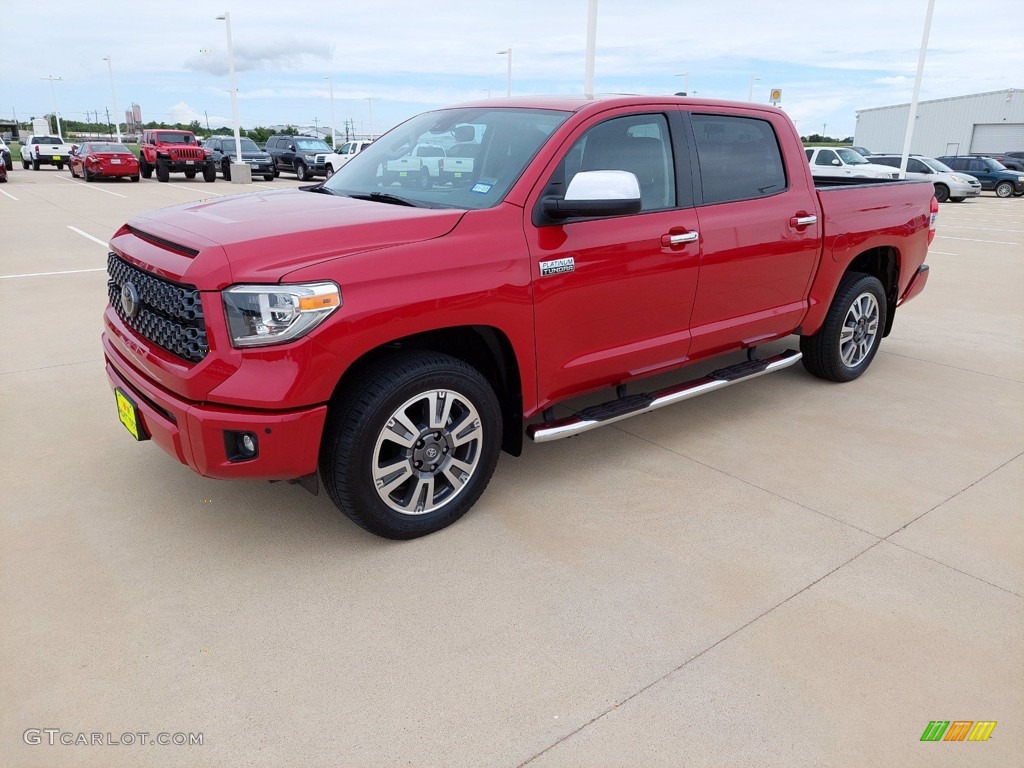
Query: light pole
(686, 82)
(226, 18)
(53, 94)
(508, 52)
(113, 96)
(334, 135)
(588, 67)
(750, 95)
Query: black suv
(223, 150)
(305, 156)
(991, 173)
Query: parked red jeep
(167, 152)
(396, 338)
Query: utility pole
(823, 127)
(207, 120)
(110, 133)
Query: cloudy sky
(170, 57)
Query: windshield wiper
(318, 188)
(387, 197)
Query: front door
(613, 295)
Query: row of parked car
(955, 177)
(163, 152)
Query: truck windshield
(454, 158)
(850, 157)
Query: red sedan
(103, 159)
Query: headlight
(273, 314)
(961, 179)
(1020, 179)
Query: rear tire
(190, 174)
(35, 167)
(1004, 189)
(268, 176)
(411, 444)
(163, 172)
(145, 169)
(225, 170)
(24, 164)
(330, 171)
(941, 193)
(846, 343)
(957, 199)
(86, 175)
(60, 166)
(135, 178)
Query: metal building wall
(943, 126)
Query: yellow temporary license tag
(128, 414)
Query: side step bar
(617, 410)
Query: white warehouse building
(961, 125)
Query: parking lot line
(91, 186)
(187, 189)
(983, 229)
(86, 234)
(8, 195)
(47, 274)
(972, 240)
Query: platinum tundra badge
(557, 266)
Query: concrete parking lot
(785, 573)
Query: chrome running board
(623, 408)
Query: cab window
(739, 158)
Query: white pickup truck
(349, 149)
(844, 163)
(421, 168)
(41, 149)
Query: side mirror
(291, 147)
(836, 162)
(596, 193)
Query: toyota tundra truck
(389, 342)
(44, 150)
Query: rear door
(613, 295)
(759, 228)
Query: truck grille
(169, 314)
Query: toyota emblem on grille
(130, 300)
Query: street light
(508, 51)
(750, 96)
(686, 82)
(334, 136)
(113, 96)
(226, 18)
(53, 94)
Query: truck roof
(601, 102)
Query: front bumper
(193, 432)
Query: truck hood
(264, 235)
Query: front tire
(209, 172)
(268, 177)
(1004, 189)
(411, 444)
(941, 193)
(163, 171)
(301, 172)
(846, 343)
(24, 164)
(957, 199)
(225, 170)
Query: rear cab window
(739, 158)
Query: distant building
(961, 125)
(133, 118)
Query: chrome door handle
(803, 221)
(680, 239)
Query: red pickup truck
(396, 337)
